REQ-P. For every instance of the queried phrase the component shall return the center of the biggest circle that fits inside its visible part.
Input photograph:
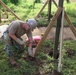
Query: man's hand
(19, 41)
(30, 52)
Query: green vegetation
(26, 9)
(43, 63)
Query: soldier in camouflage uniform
(12, 37)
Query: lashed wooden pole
(49, 9)
(70, 24)
(58, 26)
(48, 28)
(68, 21)
(55, 3)
(0, 14)
(42, 9)
(9, 9)
(5, 10)
(56, 42)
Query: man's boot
(13, 62)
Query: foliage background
(26, 9)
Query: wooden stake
(70, 24)
(48, 28)
(9, 9)
(61, 41)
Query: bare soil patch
(67, 34)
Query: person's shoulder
(17, 21)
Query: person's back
(16, 28)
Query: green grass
(43, 62)
(24, 10)
(69, 62)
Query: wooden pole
(0, 14)
(48, 28)
(61, 41)
(57, 34)
(70, 24)
(55, 3)
(49, 9)
(42, 9)
(9, 9)
(5, 10)
(58, 30)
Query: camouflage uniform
(11, 45)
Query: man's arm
(12, 36)
(16, 39)
(30, 39)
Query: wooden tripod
(54, 18)
(52, 23)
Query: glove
(34, 50)
(30, 52)
(19, 41)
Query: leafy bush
(14, 1)
(6, 1)
(71, 9)
(36, 1)
(25, 9)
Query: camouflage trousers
(11, 46)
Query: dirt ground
(67, 34)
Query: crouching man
(12, 37)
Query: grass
(69, 63)
(43, 65)
(43, 62)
